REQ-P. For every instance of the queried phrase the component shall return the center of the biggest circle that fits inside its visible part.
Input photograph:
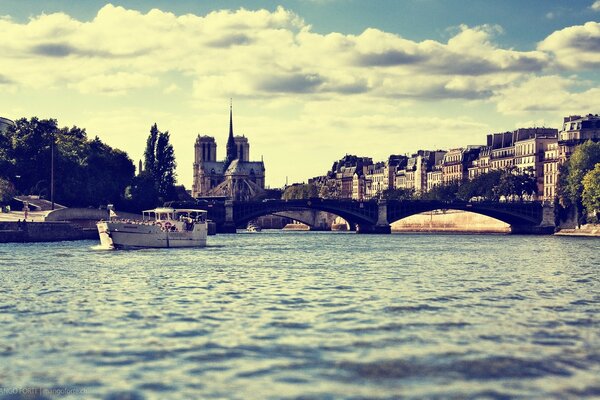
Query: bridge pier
(546, 227)
(382, 226)
(229, 225)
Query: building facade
(456, 163)
(530, 148)
(236, 177)
(551, 163)
(577, 130)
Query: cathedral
(236, 178)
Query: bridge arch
(513, 214)
(354, 212)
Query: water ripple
(306, 315)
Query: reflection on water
(324, 315)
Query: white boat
(160, 228)
(253, 227)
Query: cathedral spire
(231, 147)
(230, 118)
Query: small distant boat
(159, 228)
(253, 227)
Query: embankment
(585, 230)
(15, 232)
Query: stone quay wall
(23, 232)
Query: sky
(311, 80)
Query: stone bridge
(376, 217)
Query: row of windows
(528, 148)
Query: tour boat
(159, 228)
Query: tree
(330, 189)
(526, 183)
(27, 149)
(398, 194)
(513, 184)
(583, 159)
(444, 192)
(591, 192)
(142, 194)
(150, 152)
(108, 173)
(300, 191)
(484, 185)
(7, 191)
(159, 160)
(570, 186)
(86, 172)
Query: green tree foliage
(590, 198)
(515, 185)
(446, 192)
(483, 187)
(27, 154)
(398, 194)
(159, 161)
(330, 189)
(300, 191)
(492, 186)
(570, 183)
(7, 191)
(150, 152)
(114, 166)
(142, 194)
(583, 159)
(87, 173)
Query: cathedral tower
(206, 149)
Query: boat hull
(120, 235)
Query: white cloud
(172, 88)
(252, 53)
(575, 47)
(596, 5)
(548, 94)
(117, 83)
(325, 92)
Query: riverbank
(590, 230)
(25, 232)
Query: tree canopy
(159, 162)
(300, 191)
(7, 191)
(590, 196)
(509, 184)
(398, 194)
(87, 172)
(570, 186)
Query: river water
(304, 315)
